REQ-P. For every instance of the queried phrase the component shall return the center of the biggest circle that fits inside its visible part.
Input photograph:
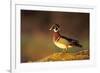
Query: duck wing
(72, 41)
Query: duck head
(55, 27)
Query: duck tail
(78, 45)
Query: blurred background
(36, 39)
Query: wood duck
(62, 41)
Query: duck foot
(64, 51)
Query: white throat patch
(55, 30)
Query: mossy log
(61, 56)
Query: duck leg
(65, 50)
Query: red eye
(56, 28)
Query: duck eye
(56, 28)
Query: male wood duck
(62, 41)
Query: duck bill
(51, 27)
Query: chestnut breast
(59, 41)
(56, 35)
